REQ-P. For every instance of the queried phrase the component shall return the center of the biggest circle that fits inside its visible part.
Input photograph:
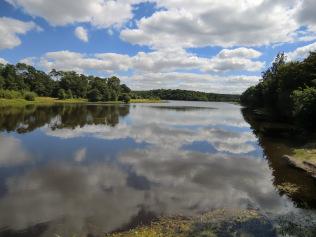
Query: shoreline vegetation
(22, 85)
(23, 82)
(287, 91)
(51, 101)
(224, 222)
(221, 222)
(186, 95)
(304, 159)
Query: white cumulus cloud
(100, 13)
(191, 81)
(81, 33)
(157, 61)
(216, 23)
(10, 29)
(166, 68)
(301, 52)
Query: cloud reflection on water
(162, 178)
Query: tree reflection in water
(27, 119)
(277, 139)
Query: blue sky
(207, 45)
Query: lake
(95, 169)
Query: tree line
(288, 89)
(168, 94)
(22, 80)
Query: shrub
(30, 96)
(9, 94)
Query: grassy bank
(146, 101)
(306, 154)
(304, 158)
(50, 100)
(38, 101)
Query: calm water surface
(95, 169)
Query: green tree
(13, 80)
(94, 95)
(287, 89)
(78, 84)
(113, 95)
(70, 84)
(101, 85)
(125, 89)
(304, 108)
(69, 94)
(125, 98)
(1, 82)
(114, 84)
(62, 94)
(106, 96)
(55, 75)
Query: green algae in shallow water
(216, 223)
(288, 188)
(296, 225)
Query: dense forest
(24, 81)
(185, 95)
(287, 89)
